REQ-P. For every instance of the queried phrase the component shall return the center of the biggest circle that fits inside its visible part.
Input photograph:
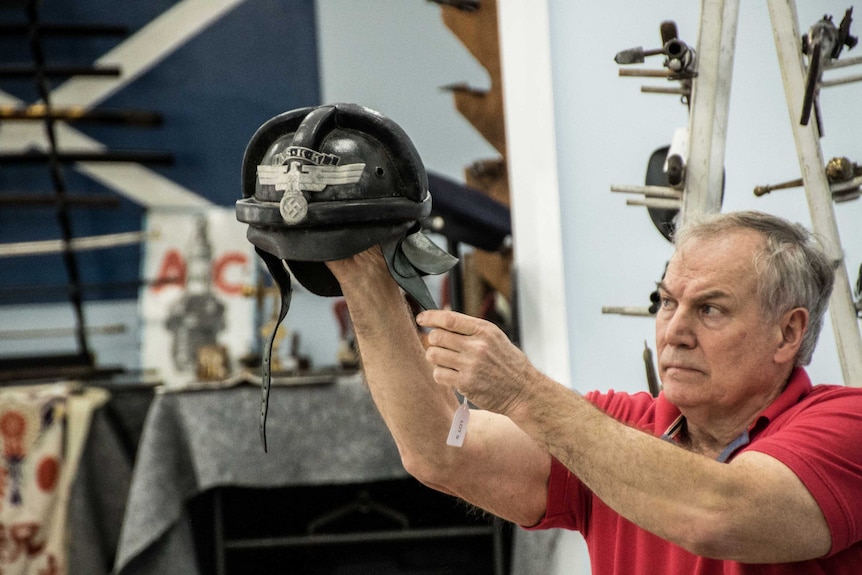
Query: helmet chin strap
(282, 280)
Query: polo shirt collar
(798, 386)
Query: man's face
(715, 349)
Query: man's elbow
(520, 506)
(717, 533)
(707, 537)
(720, 536)
(432, 472)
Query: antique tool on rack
(680, 62)
(817, 187)
(843, 175)
(80, 114)
(666, 170)
(822, 44)
(653, 382)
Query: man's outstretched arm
(499, 468)
(754, 509)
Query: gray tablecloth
(197, 440)
(101, 487)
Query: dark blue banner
(213, 70)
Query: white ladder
(818, 193)
(707, 128)
(704, 167)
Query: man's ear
(793, 325)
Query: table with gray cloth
(100, 488)
(198, 440)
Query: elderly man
(739, 466)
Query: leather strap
(282, 280)
(409, 258)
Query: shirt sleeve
(567, 501)
(822, 445)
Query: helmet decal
(297, 178)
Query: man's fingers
(445, 376)
(443, 357)
(444, 339)
(448, 320)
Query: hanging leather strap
(282, 280)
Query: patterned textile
(42, 429)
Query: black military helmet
(323, 183)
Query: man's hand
(475, 357)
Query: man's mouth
(680, 367)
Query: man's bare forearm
(416, 410)
(498, 468)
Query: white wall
(395, 56)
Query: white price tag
(459, 425)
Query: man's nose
(678, 329)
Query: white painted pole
(710, 101)
(841, 309)
(531, 154)
(525, 55)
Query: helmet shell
(323, 183)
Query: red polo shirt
(815, 431)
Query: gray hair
(794, 267)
